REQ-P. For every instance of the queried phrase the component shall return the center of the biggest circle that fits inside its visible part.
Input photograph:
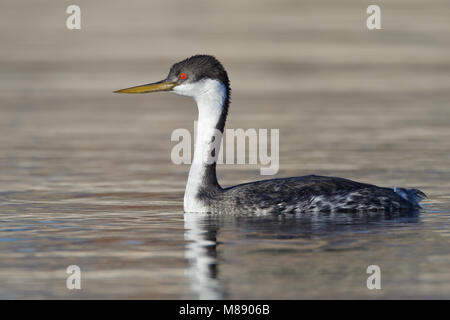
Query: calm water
(141, 249)
(86, 177)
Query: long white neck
(210, 96)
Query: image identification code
(227, 309)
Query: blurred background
(86, 174)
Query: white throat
(210, 96)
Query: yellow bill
(151, 87)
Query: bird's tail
(413, 196)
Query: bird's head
(193, 77)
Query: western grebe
(204, 78)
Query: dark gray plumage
(308, 194)
(199, 67)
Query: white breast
(210, 96)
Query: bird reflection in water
(202, 238)
(201, 252)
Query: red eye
(183, 76)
